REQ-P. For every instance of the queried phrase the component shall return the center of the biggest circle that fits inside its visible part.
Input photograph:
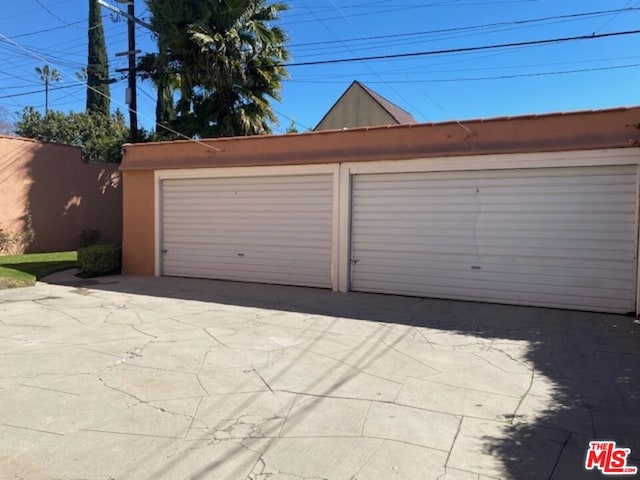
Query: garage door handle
(164, 250)
(354, 260)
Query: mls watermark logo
(609, 459)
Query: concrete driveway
(150, 378)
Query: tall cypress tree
(98, 95)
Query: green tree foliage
(224, 58)
(48, 76)
(100, 136)
(154, 67)
(98, 95)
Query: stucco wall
(614, 128)
(138, 219)
(605, 129)
(63, 194)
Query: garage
(270, 229)
(537, 210)
(554, 237)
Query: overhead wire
(426, 95)
(470, 27)
(613, 17)
(463, 49)
(440, 4)
(175, 132)
(368, 67)
(496, 77)
(44, 7)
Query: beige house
(360, 106)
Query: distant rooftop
(359, 106)
(399, 114)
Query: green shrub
(89, 237)
(99, 259)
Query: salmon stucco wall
(607, 129)
(62, 194)
(138, 218)
(615, 128)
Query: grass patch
(24, 270)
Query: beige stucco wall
(63, 194)
(355, 109)
(614, 128)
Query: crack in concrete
(21, 427)
(419, 332)
(557, 462)
(408, 355)
(347, 364)
(139, 330)
(428, 379)
(61, 312)
(146, 403)
(364, 420)
(366, 461)
(239, 429)
(48, 389)
(453, 443)
(253, 369)
(193, 418)
(374, 400)
(524, 395)
(130, 434)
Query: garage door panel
(461, 249)
(500, 231)
(542, 282)
(469, 198)
(304, 202)
(510, 245)
(599, 220)
(512, 236)
(577, 269)
(590, 303)
(264, 268)
(273, 229)
(253, 237)
(272, 250)
(267, 190)
(544, 176)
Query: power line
(430, 71)
(46, 30)
(85, 84)
(463, 49)
(496, 77)
(450, 3)
(471, 27)
(54, 15)
(364, 62)
(21, 94)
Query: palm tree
(48, 75)
(228, 57)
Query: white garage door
(559, 237)
(272, 229)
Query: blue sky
(567, 76)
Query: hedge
(99, 259)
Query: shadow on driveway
(591, 359)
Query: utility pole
(131, 95)
(133, 101)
